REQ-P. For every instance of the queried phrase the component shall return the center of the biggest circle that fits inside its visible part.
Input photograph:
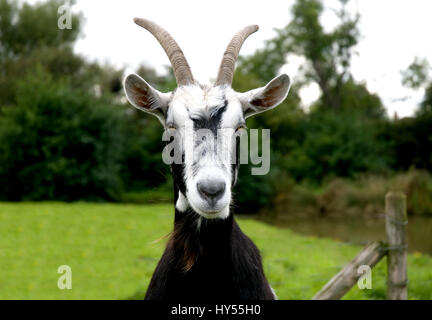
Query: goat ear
(144, 97)
(265, 98)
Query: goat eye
(171, 127)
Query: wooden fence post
(343, 281)
(396, 220)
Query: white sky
(393, 33)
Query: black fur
(216, 262)
(213, 122)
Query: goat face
(205, 122)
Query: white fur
(182, 203)
(274, 293)
(195, 101)
(198, 222)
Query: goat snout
(211, 190)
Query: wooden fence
(395, 250)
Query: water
(360, 230)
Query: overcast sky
(393, 33)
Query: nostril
(211, 189)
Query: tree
(417, 74)
(60, 143)
(412, 137)
(336, 143)
(29, 37)
(426, 104)
(328, 54)
(340, 134)
(26, 27)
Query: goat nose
(211, 190)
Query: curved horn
(226, 69)
(181, 68)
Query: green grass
(113, 250)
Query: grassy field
(113, 250)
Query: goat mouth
(217, 209)
(210, 213)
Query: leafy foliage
(65, 133)
(417, 73)
(335, 144)
(59, 143)
(28, 27)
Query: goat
(207, 256)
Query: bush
(59, 143)
(252, 192)
(142, 165)
(412, 140)
(336, 144)
(365, 196)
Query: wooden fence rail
(395, 249)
